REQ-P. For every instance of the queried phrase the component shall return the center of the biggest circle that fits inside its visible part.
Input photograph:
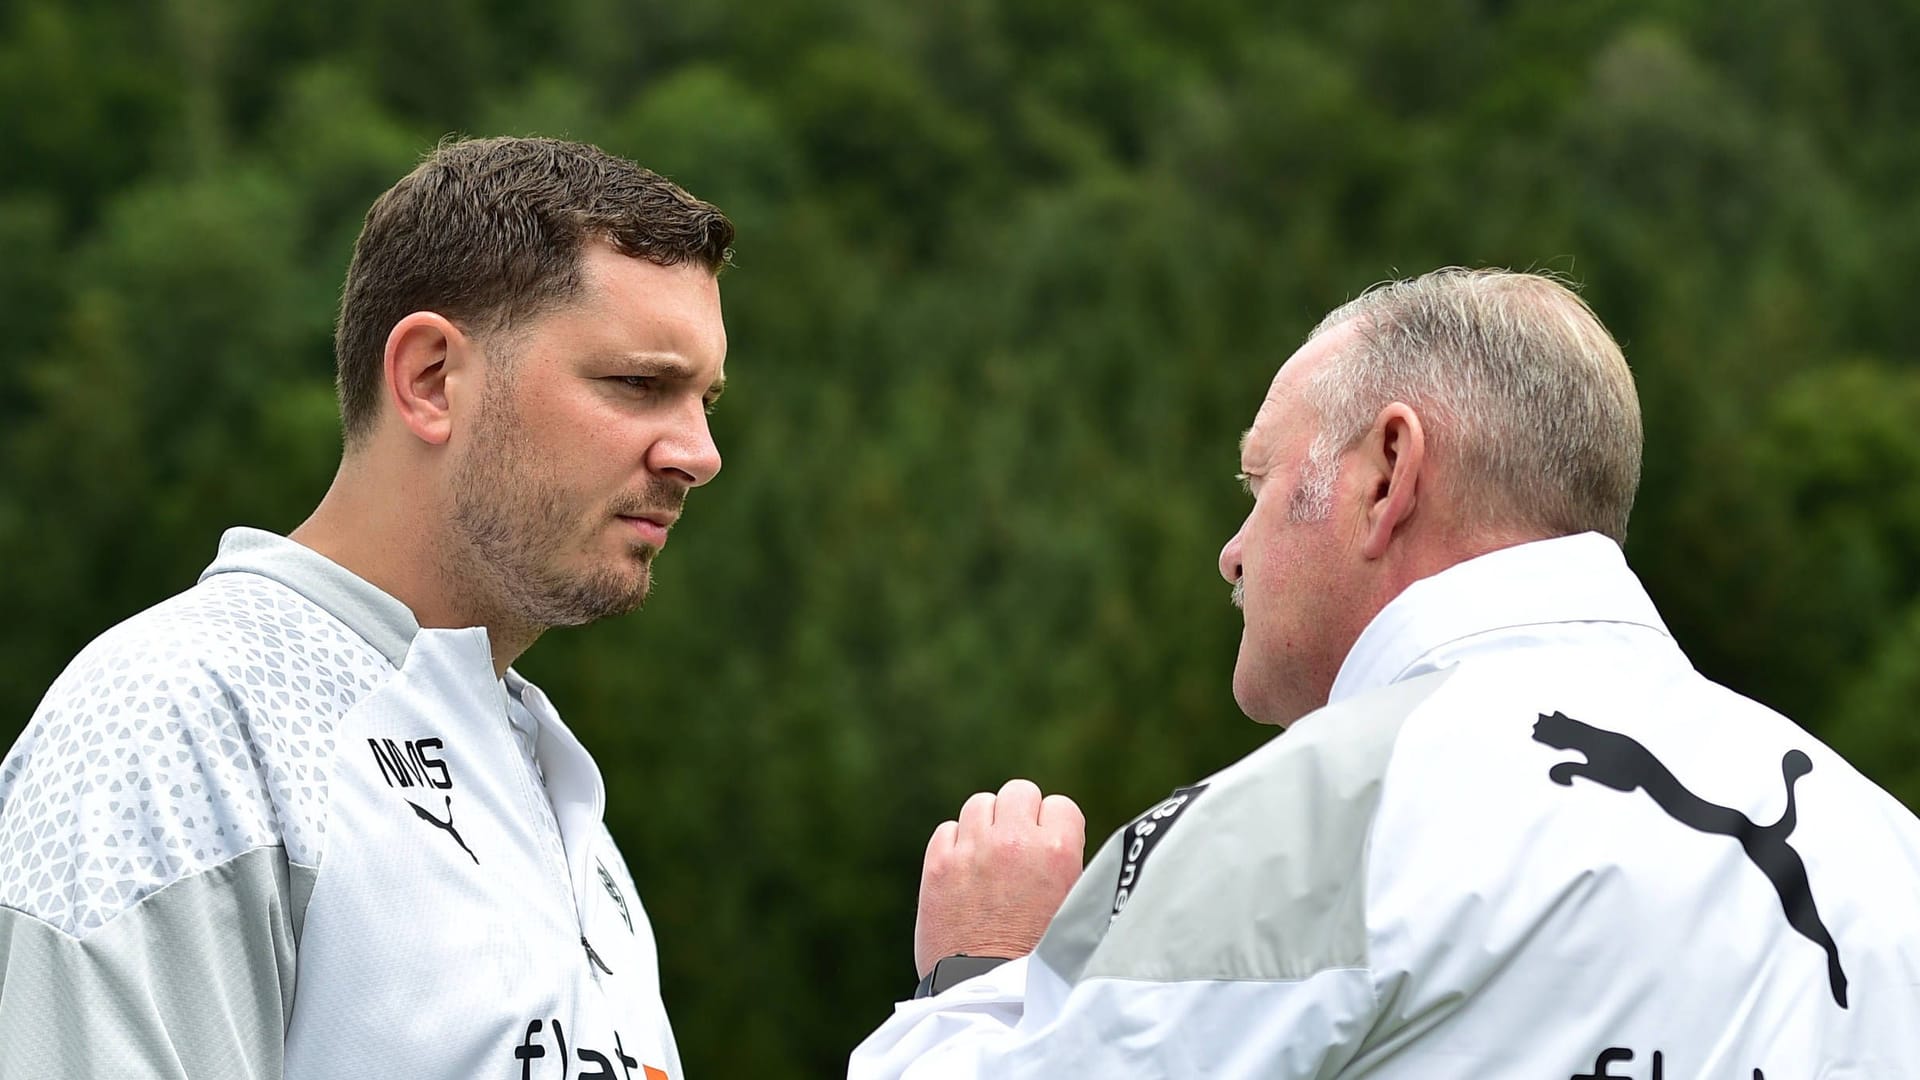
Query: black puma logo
(1618, 762)
(447, 825)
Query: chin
(591, 597)
(1245, 696)
(634, 597)
(1260, 702)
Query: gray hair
(1517, 385)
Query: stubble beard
(514, 530)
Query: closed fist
(993, 879)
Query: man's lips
(651, 529)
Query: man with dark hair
(1509, 831)
(304, 819)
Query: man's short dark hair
(488, 232)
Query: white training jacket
(1524, 839)
(271, 827)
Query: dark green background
(1012, 277)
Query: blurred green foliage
(1012, 277)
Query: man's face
(592, 428)
(1295, 562)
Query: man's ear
(425, 352)
(1395, 453)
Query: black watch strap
(953, 970)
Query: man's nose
(687, 449)
(1230, 559)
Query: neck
(389, 538)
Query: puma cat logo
(1620, 763)
(447, 825)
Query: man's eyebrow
(662, 364)
(665, 365)
(1244, 436)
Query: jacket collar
(386, 623)
(1569, 579)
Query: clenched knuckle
(1011, 842)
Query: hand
(994, 878)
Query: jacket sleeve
(148, 901)
(1109, 1026)
(1222, 933)
(194, 981)
(1201, 941)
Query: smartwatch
(953, 970)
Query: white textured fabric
(273, 824)
(450, 936)
(193, 732)
(1579, 858)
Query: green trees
(1011, 280)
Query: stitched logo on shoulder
(1620, 763)
(1140, 838)
(613, 890)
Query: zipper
(533, 788)
(594, 956)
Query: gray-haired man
(1509, 830)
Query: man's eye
(1246, 482)
(635, 382)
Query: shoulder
(242, 634)
(1253, 872)
(1314, 790)
(1555, 781)
(189, 734)
(1617, 815)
